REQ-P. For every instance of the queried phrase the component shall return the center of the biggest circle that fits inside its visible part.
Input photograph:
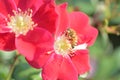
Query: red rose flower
(62, 55)
(18, 17)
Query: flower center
(21, 22)
(65, 43)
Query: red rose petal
(7, 41)
(59, 68)
(29, 4)
(51, 70)
(25, 48)
(37, 38)
(46, 17)
(39, 59)
(6, 7)
(67, 70)
(78, 21)
(3, 24)
(81, 61)
(63, 19)
(89, 35)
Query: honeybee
(71, 36)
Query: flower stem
(12, 68)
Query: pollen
(65, 43)
(21, 22)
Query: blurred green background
(104, 54)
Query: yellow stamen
(21, 22)
(65, 43)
